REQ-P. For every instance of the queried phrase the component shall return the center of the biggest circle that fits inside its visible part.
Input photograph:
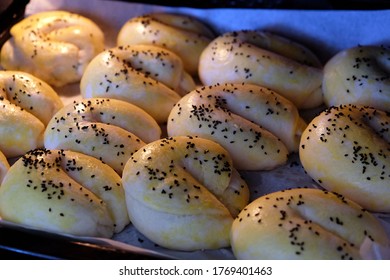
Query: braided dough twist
(265, 59)
(65, 192)
(55, 46)
(183, 193)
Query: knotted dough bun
(262, 58)
(183, 193)
(149, 77)
(65, 192)
(256, 125)
(55, 46)
(27, 105)
(359, 76)
(346, 149)
(108, 129)
(182, 34)
(304, 224)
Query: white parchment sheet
(325, 32)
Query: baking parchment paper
(324, 31)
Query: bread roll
(55, 46)
(147, 76)
(108, 129)
(64, 192)
(256, 125)
(183, 193)
(265, 59)
(182, 34)
(346, 149)
(27, 103)
(304, 224)
(358, 76)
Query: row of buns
(93, 166)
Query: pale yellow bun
(108, 129)
(65, 192)
(358, 76)
(262, 58)
(27, 104)
(55, 46)
(147, 76)
(4, 166)
(184, 35)
(183, 193)
(256, 125)
(304, 224)
(346, 149)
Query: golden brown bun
(256, 125)
(65, 192)
(304, 224)
(358, 76)
(346, 149)
(149, 77)
(55, 46)
(108, 129)
(183, 193)
(262, 58)
(182, 34)
(27, 104)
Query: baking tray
(18, 242)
